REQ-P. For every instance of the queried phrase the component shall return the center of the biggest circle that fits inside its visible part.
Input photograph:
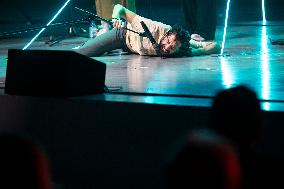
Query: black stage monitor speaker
(53, 73)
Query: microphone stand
(96, 17)
(40, 27)
(151, 38)
(84, 20)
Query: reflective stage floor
(250, 59)
(129, 131)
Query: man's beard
(162, 52)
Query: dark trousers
(111, 40)
(200, 17)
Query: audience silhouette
(23, 164)
(236, 114)
(206, 160)
(224, 155)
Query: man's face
(169, 44)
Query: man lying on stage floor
(172, 41)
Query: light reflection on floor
(252, 61)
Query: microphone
(148, 34)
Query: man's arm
(205, 48)
(120, 11)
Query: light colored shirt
(142, 45)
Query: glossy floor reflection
(252, 60)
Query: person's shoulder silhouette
(23, 163)
(204, 159)
(236, 114)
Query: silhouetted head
(236, 114)
(23, 164)
(205, 160)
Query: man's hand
(197, 37)
(211, 47)
(120, 11)
(118, 23)
(206, 48)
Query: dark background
(17, 14)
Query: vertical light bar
(263, 13)
(265, 93)
(54, 17)
(225, 26)
(227, 75)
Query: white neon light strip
(263, 13)
(225, 27)
(266, 75)
(227, 74)
(54, 17)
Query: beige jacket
(142, 45)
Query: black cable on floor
(115, 90)
(175, 95)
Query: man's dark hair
(183, 36)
